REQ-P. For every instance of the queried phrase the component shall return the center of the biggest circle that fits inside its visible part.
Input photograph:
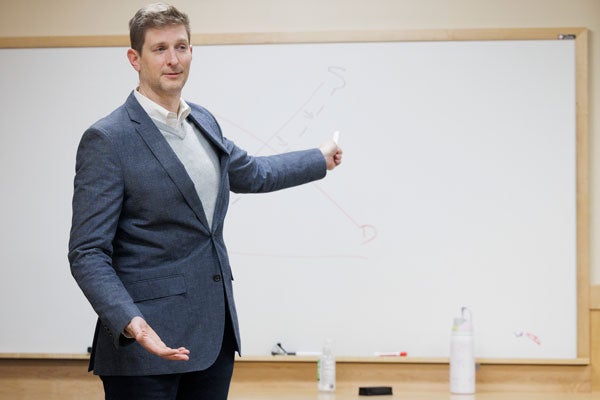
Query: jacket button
(217, 278)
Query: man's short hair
(154, 16)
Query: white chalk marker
(336, 136)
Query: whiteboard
(458, 188)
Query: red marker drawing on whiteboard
(529, 336)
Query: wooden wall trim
(305, 37)
(595, 297)
(583, 195)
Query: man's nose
(172, 57)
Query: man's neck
(171, 103)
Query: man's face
(164, 63)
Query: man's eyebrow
(157, 44)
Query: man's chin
(172, 89)
(173, 85)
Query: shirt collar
(161, 114)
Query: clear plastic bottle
(326, 368)
(462, 357)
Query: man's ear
(134, 59)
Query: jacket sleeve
(97, 202)
(248, 174)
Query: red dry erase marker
(392, 354)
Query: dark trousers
(209, 384)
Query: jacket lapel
(166, 156)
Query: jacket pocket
(156, 288)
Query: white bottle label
(326, 374)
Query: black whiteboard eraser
(375, 391)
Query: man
(151, 192)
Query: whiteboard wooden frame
(582, 136)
